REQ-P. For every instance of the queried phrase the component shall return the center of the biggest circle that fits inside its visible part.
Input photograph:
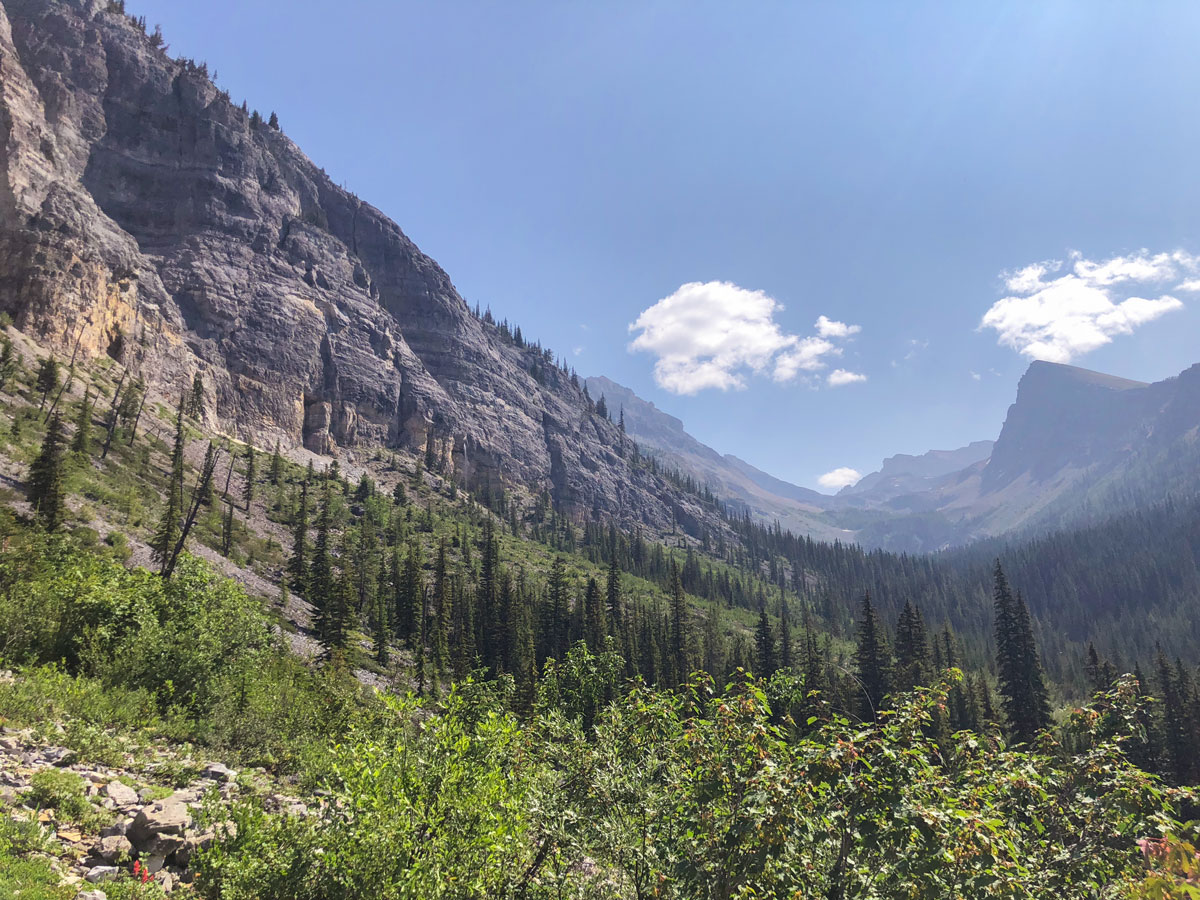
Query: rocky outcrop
(145, 216)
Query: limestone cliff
(145, 216)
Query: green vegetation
(564, 708)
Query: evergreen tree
(1022, 686)
(556, 631)
(912, 649)
(785, 634)
(298, 562)
(47, 494)
(47, 378)
(251, 475)
(612, 593)
(593, 607)
(276, 466)
(871, 662)
(196, 401)
(441, 611)
(167, 534)
(410, 595)
(227, 528)
(320, 571)
(8, 361)
(680, 629)
(764, 644)
(81, 442)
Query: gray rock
(91, 895)
(219, 772)
(101, 873)
(159, 827)
(112, 848)
(173, 236)
(121, 794)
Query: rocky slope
(1076, 446)
(735, 481)
(145, 216)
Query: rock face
(145, 216)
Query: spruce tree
(785, 634)
(276, 466)
(320, 571)
(1023, 689)
(47, 494)
(298, 562)
(680, 626)
(410, 596)
(593, 607)
(196, 401)
(81, 441)
(47, 378)
(764, 644)
(441, 611)
(871, 662)
(8, 361)
(167, 533)
(251, 475)
(912, 649)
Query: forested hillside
(424, 656)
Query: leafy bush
(701, 795)
(65, 793)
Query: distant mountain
(1076, 447)
(906, 474)
(735, 481)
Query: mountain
(906, 474)
(735, 481)
(147, 217)
(1076, 447)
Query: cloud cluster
(839, 478)
(1057, 311)
(711, 334)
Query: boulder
(113, 848)
(121, 794)
(159, 827)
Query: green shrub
(60, 790)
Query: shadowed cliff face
(144, 215)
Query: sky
(819, 233)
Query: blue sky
(898, 167)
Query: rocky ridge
(146, 216)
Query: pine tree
(46, 492)
(1022, 686)
(167, 534)
(196, 401)
(556, 630)
(912, 649)
(593, 608)
(785, 634)
(764, 644)
(871, 662)
(441, 603)
(251, 475)
(320, 571)
(227, 528)
(680, 629)
(47, 378)
(81, 441)
(276, 466)
(298, 562)
(410, 596)
(612, 594)
(8, 361)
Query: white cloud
(839, 478)
(827, 327)
(1056, 313)
(712, 334)
(975, 376)
(838, 377)
(577, 350)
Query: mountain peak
(1041, 374)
